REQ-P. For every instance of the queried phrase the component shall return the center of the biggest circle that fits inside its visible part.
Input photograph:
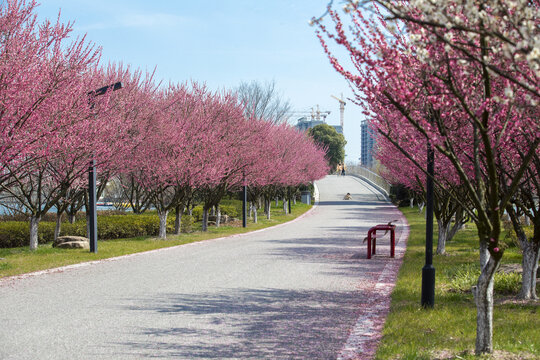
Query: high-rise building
(304, 124)
(367, 143)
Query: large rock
(72, 242)
(74, 245)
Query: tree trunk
(254, 207)
(178, 220)
(218, 216)
(458, 225)
(268, 211)
(531, 255)
(285, 209)
(444, 229)
(163, 224)
(421, 207)
(205, 219)
(294, 200)
(483, 294)
(250, 211)
(277, 201)
(484, 254)
(58, 225)
(71, 218)
(411, 202)
(34, 222)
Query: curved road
(295, 291)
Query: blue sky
(221, 43)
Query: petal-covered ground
(301, 290)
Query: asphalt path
(301, 290)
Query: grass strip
(20, 260)
(448, 331)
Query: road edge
(11, 279)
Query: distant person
(338, 169)
(347, 196)
(343, 170)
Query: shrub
(466, 276)
(187, 224)
(197, 213)
(229, 210)
(17, 233)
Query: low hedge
(229, 210)
(17, 233)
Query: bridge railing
(370, 176)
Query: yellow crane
(341, 110)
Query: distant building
(304, 124)
(367, 143)
(338, 128)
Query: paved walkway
(302, 290)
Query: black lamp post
(428, 271)
(289, 200)
(92, 207)
(244, 205)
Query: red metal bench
(373, 231)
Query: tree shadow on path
(246, 323)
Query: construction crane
(313, 115)
(341, 110)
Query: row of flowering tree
(163, 142)
(462, 78)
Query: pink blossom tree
(450, 85)
(45, 109)
(398, 169)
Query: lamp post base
(428, 286)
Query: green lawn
(448, 331)
(21, 260)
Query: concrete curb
(11, 279)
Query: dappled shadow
(247, 323)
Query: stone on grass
(72, 242)
(74, 245)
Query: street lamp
(244, 203)
(92, 208)
(428, 271)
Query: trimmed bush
(226, 209)
(17, 233)
(187, 224)
(197, 213)
(229, 210)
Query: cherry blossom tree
(45, 109)
(398, 169)
(449, 83)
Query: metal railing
(369, 175)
